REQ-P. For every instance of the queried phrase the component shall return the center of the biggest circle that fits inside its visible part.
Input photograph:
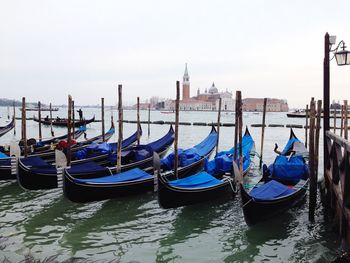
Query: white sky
(265, 48)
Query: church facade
(206, 101)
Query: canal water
(44, 226)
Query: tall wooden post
(39, 115)
(341, 120)
(334, 120)
(306, 124)
(14, 118)
(73, 120)
(263, 133)
(8, 112)
(236, 129)
(149, 119)
(69, 126)
(103, 118)
(24, 127)
(345, 119)
(317, 138)
(51, 120)
(177, 102)
(218, 126)
(138, 121)
(120, 129)
(312, 174)
(240, 122)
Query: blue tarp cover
(5, 161)
(2, 155)
(86, 168)
(162, 142)
(291, 169)
(131, 175)
(34, 161)
(199, 180)
(270, 191)
(223, 160)
(289, 145)
(189, 156)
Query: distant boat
(63, 122)
(302, 114)
(42, 109)
(167, 112)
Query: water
(39, 225)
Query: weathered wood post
(103, 118)
(73, 120)
(218, 127)
(69, 127)
(317, 138)
(341, 120)
(236, 129)
(345, 119)
(14, 118)
(262, 133)
(52, 133)
(176, 157)
(24, 127)
(138, 121)
(306, 124)
(313, 180)
(8, 112)
(39, 116)
(334, 120)
(149, 119)
(120, 129)
(240, 122)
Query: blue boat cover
(270, 191)
(5, 161)
(291, 169)
(289, 145)
(127, 142)
(223, 160)
(191, 155)
(3, 155)
(89, 167)
(163, 142)
(199, 180)
(34, 161)
(128, 176)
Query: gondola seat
(130, 175)
(199, 180)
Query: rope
(247, 203)
(234, 189)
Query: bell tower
(186, 85)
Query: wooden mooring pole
(236, 129)
(103, 118)
(341, 120)
(334, 120)
(306, 124)
(312, 173)
(317, 137)
(177, 102)
(138, 121)
(14, 118)
(262, 133)
(73, 120)
(149, 119)
(24, 127)
(240, 122)
(120, 128)
(69, 127)
(218, 127)
(39, 116)
(52, 133)
(345, 119)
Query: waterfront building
(257, 104)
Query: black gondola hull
(257, 211)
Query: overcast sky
(265, 48)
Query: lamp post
(343, 58)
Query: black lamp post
(343, 58)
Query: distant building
(273, 105)
(207, 101)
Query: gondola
(48, 154)
(282, 186)
(134, 181)
(64, 122)
(35, 173)
(5, 129)
(214, 182)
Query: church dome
(213, 89)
